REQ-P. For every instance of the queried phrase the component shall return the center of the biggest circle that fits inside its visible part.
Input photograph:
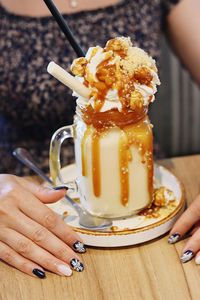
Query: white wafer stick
(68, 80)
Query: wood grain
(149, 271)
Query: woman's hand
(32, 236)
(190, 220)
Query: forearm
(184, 33)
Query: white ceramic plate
(129, 231)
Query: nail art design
(174, 238)
(77, 265)
(60, 187)
(187, 255)
(39, 273)
(79, 247)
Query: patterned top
(33, 104)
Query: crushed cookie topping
(79, 65)
(163, 198)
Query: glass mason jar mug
(113, 154)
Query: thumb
(49, 194)
(43, 193)
(188, 219)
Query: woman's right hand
(32, 236)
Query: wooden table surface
(149, 271)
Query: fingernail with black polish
(60, 187)
(174, 238)
(79, 247)
(187, 255)
(77, 265)
(39, 273)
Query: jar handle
(57, 139)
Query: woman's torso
(38, 8)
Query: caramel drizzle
(112, 117)
(123, 165)
(96, 178)
(141, 136)
(106, 79)
(96, 172)
(111, 76)
(83, 154)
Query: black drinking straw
(64, 27)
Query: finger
(14, 259)
(44, 194)
(28, 249)
(192, 247)
(43, 215)
(197, 258)
(45, 239)
(195, 228)
(186, 221)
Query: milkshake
(112, 132)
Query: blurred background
(176, 112)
